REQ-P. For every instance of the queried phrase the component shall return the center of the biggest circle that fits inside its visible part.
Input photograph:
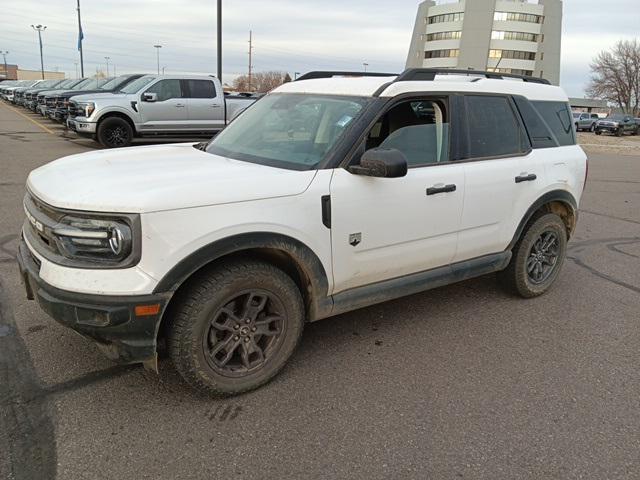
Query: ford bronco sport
(331, 193)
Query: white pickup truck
(154, 105)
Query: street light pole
(40, 28)
(6, 71)
(158, 47)
(365, 64)
(107, 59)
(220, 41)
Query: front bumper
(81, 126)
(607, 128)
(111, 321)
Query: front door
(384, 228)
(168, 111)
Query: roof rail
(418, 74)
(329, 74)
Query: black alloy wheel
(543, 257)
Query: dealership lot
(459, 382)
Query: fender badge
(355, 239)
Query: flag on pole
(80, 37)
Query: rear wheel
(537, 257)
(236, 327)
(115, 132)
(593, 127)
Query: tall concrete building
(508, 36)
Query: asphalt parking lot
(459, 382)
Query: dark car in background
(109, 85)
(40, 105)
(30, 95)
(617, 124)
(56, 101)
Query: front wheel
(598, 132)
(593, 127)
(115, 132)
(619, 132)
(537, 257)
(235, 327)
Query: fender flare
(307, 263)
(562, 196)
(117, 112)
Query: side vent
(326, 210)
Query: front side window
(417, 128)
(137, 85)
(492, 127)
(166, 90)
(201, 88)
(293, 131)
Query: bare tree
(261, 81)
(615, 76)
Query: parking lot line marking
(46, 129)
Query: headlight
(102, 240)
(87, 108)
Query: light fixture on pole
(158, 47)
(365, 65)
(107, 59)
(40, 29)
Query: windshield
(90, 84)
(294, 131)
(616, 116)
(67, 83)
(576, 115)
(136, 85)
(114, 82)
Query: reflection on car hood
(158, 177)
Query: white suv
(329, 194)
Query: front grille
(39, 225)
(50, 101)
(74, 111)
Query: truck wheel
(235, 327)
(593, 127)
(619, 132)
(537, 257)
(115, 132)
(598, 132)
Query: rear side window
(539, 133)
(492, 127)
(201, 89)
(557, 116)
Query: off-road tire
(515, 278)
(196, 309)
(114, 132)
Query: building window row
(442, 53)
(444, 36)
(518, 17)
(447, 17)
(513, 71)
(524, 36)
(513, 54)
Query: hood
(80, 97)
(73, 93)
(158, 177)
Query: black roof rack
(418, 74)
(329, 74)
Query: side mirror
(149, 97)
(381, 162)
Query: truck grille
(39, 225)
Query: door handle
(445, 189)
(215, 105)
(526, 178)
(179, 105)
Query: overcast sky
(291, 35)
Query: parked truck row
(116, 110)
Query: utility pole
(40, 28)
(6, 71)
(107, 59)
(250, 57)
(163, 70)
(80, 38)
(158, 47)
(220, 41)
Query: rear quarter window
(557, 116)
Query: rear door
(499, 177)
(168, 112)
(205, 106)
